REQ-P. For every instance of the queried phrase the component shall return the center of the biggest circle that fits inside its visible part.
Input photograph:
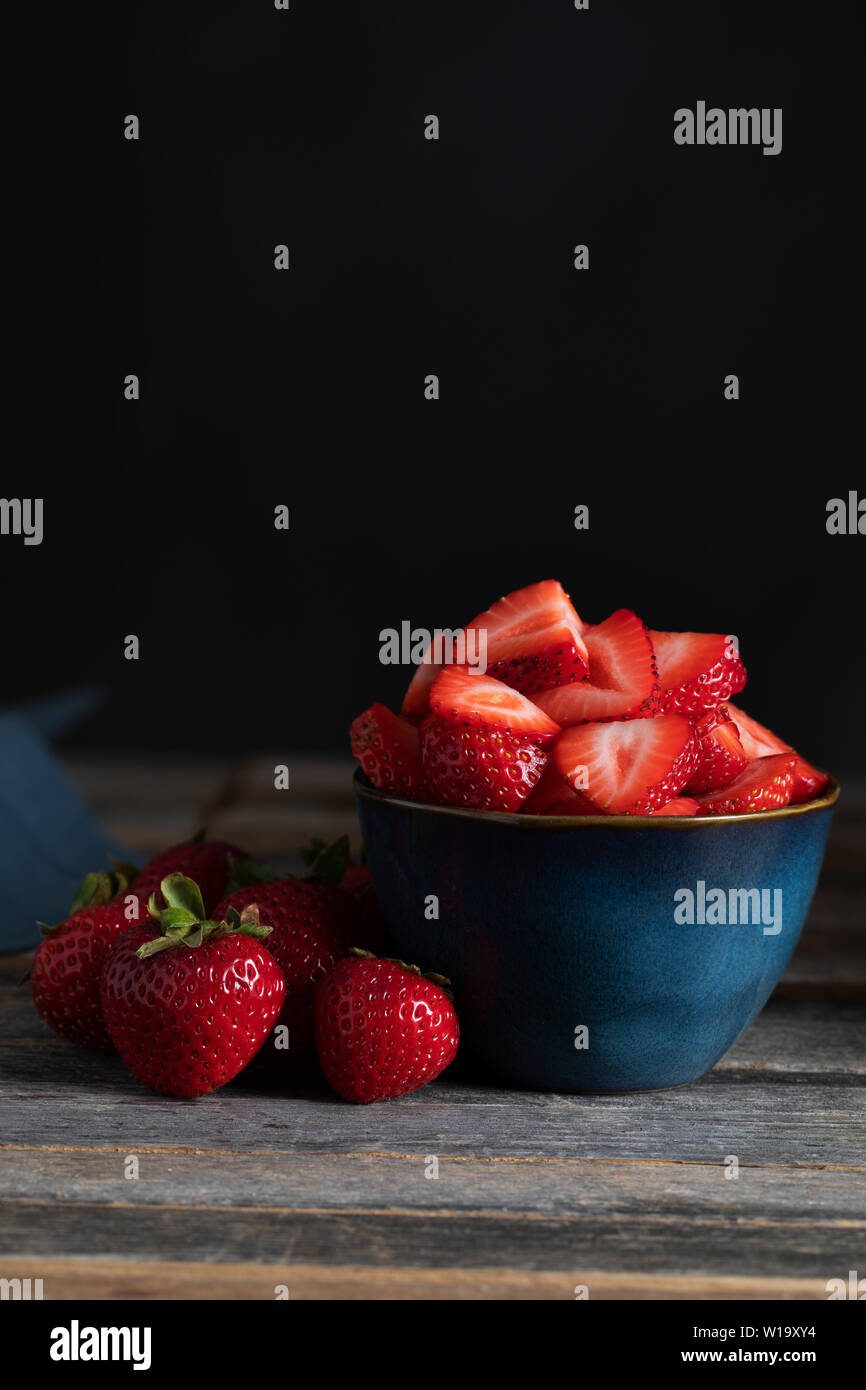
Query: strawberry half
(759, 742)
(463, 697)
(680, 806)
(482, 769)
(722, 755)
(534, 638)
(764, 785)
(389, 751)
(622, 681)
(554, 797)
(630, 767)
(696, 670)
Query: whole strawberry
(357, 881)
(190, 1006)
(314, 926)
(382, 1028)
(67, 967)
(208, 862)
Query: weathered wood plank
(806, 1035)
(158, 1279)
(284, 829)
(369, 1183)
(149, 804)
(797, 1123)
(801, 1063)
(458, 1240)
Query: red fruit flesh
(765, 784)
(680, 806)
(389, 751)
(481, 769)
(554, 797)
(467, 699)
(416, 701)
(629, 767)
(759, 742)
(188, 1019)
(622, 681)
(721, 752)
(534, 638)
(382, 1030)
(696, 670)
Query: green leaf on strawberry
(184, 923)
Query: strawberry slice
(764, 785)
(416, 701)
(722, 755)
(389, 751)
(554, 797)
(759, 742)
(534, 638)
(462, 696)
(622, 681)
(629, 767)
(696, 669)
(482, 769)
(680, 806)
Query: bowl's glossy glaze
(548, 925)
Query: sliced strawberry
(696, 669)
(554, 797)
(534, 638)
(389, 750)
(764, 785)
(479, 768)
(758, 742)
(416, 701)
(680, 806)
(462, 696)
(722, 755)
(631, 766)
(622, 681)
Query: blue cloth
(48, 838)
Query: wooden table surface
(253, 1192)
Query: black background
(409, 257)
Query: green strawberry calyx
(325, 864)
(94, 890)
(441, 981)
(184, 923)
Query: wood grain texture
(419, 1238)
(158, 1279)
(669, 1190)
(259, 1186)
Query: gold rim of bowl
(531, 822)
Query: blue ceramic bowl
(567, 939)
